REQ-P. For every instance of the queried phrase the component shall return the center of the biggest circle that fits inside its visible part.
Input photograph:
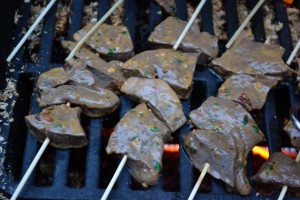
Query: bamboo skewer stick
(33, 26)
(243, 25)
(293, 54)
(30, 169)
(176, 45)
(93, 30)
(199, 181)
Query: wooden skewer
(189, 24)
(30, 169)
(199, 181)
(293, 54)
(284, 189)
(243, 25)
(93, 30)
(114, 178)
(33, 26)
(177, 43)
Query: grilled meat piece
(251, 58)
(52, 78)
(221, 116)
(203, 147)
(111, 42)
(109, 73)
(168, 5)
(94, 103)
(61, 124)
(293, 133)
(279, 170)
(174, 67)
(139, 135)
(159, 96)
(250, 92)
(167, 32)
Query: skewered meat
(111, 42)
(251, 58)
(293, 133)
(61, 124)
(221, 116)
(139, 135)
(168, 31)
(52, 78)
(94, 103)
(279, 170)
(158, 95)
(168, 5)
(174, 67)
(204, 147)
(109, 73)
(250, 92)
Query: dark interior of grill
(85, 173)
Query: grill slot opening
(90, 11)
(198, 94)
(170, 170)
(206, 183)
(18, 129)
(45, 168)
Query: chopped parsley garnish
(132, 111)
(133, 138)
(154, 129)
(240, 163)
(215, 129)
(216, 104)
(178, 61)
(142, 115)
(245, 121)
(227, 92)
(58, 126)
(255, 129)
(157, 144)
(270, 166)
(156, 166)
(190, 147)
(200, 124)
(111, 51)
(146, 73)
(123, 32)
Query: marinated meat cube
(94, 103)
(139, 135)
(203, 147)
(52, 78)
(158, 95)
(111, 42)
(251, 58)
(250, 92)
(279, 170)
(80, 75)
(221, 116)
(61, 124)
(167, 33)
(168, 5)
(174, 67)
(109, 73)
(293, 133)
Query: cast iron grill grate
(84, 173)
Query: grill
(84, 173)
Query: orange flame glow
(288, 2)
(264, 152)
(173, 148)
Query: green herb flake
(200, 124)
(133, 138)
(142, 115)
(240, 163)
(245, 121)
(154, 129)
(58, 126)
(227, 92)
(215, 129)
(190, 147)
(132, 111)
(146, 73)
(178, 61)
(157, 144)
(123, 32)
(111, 52)
(270, 166)
(156, 166)
(216, 104)
(255, 129)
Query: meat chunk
(250, 92)
(52, 78)
(293, 133)
(174, 67)
(61, 124)
(109, 73)
(279, 170)
(168, 31)
(203, 147)
(111, 42)
(94, 103)
(168, 5)
(251, 58)
(139, 135)
(158, 95)
(221, 116)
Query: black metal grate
(90, 164)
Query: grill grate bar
(62, 158)
(231, 17)
(207, 23)
(257, 24)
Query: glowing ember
(171, 148)
(264, 152)
(288, 2)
